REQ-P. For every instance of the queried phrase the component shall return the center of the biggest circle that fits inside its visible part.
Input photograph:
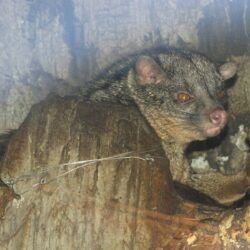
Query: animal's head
(181, 94)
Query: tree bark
(126, 201)
(94, 176)
(102, 201)
(52, 46)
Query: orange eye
(184, 97)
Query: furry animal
(182, 96)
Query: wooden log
(123, 169)
(94, 176)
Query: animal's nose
(218, 117)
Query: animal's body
(179, 92)
(182, 96)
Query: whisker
(141, 155)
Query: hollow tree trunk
(118, 203)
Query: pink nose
(218, 117)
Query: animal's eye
(184, 97)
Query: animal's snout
(218, 117)
(217, 121)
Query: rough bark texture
(95, 202)
(51, 46)
(116, 203)
(124, 202)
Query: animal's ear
(228, 70)
(148, 71)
